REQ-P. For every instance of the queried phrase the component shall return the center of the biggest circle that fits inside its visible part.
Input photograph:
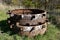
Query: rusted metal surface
(29, 21)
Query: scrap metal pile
(29, 22)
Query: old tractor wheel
(29, 22)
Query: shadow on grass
(54, 20)
(4, 27)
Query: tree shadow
(4, 27)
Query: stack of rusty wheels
(29, 22)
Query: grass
(52, 33)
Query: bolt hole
(43, 26)
(32, 17)
(46, 20)
(44, 15)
